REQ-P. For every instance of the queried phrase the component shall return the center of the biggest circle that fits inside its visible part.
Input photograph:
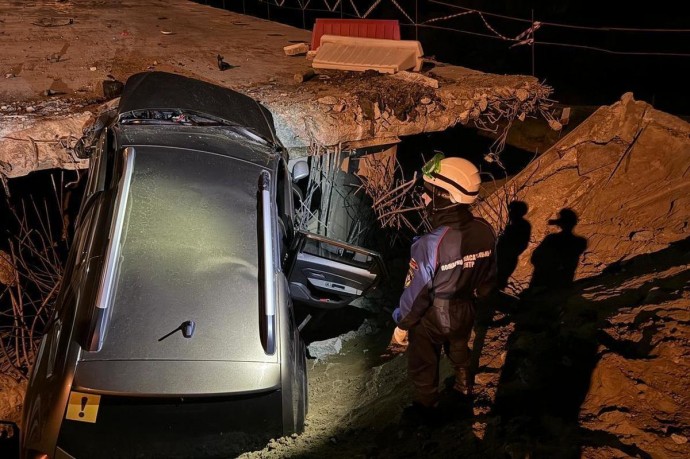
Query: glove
(398, 344)
(400, 337)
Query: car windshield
(189, 251)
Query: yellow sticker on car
(83, 407)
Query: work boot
(463, 382)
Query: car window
(338, 253)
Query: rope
(371, 8)
(329, 6)
(412, 21)
(616, 29)
(492, 29)
(609, 51)
(479, 11)
(449, 29)
(445, 18)
(568, 26)
(354, 7)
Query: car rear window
(189, 251)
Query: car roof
(189, 252)
(162, 90)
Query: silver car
(174, 333)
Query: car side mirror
(300, 170)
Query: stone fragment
(296, 49)
(328, 100)
(522, 94)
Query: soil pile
(623, 179)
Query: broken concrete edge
(335, 119)
(303, 122)
(41, 144)
(610, 172)
(35, 142)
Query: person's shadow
(512, 242)
(558, 255)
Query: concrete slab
(90, 40)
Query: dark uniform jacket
(449, 268)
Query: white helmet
(459, 177)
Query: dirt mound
(620, 181)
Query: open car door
(326, 273)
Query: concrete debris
(29, 144)
(620, 176)
(306, 75)
(112, 88)
(328, 100)
(453, 103)
(679, 439)
(322, 349)
(522, 94)
(296, 49)
(413, 77)
(555, 125)
(7, 270)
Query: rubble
(413, 77)
(296, 49)
(29, 144)
(623, 172)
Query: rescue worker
(450, 268)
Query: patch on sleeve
(410, 272)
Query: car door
(327, 273)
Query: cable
(615, 29)
(609, 51)
(318, 10)
(454, 30)
(412, 21)
(555, 24)
(479, 11)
